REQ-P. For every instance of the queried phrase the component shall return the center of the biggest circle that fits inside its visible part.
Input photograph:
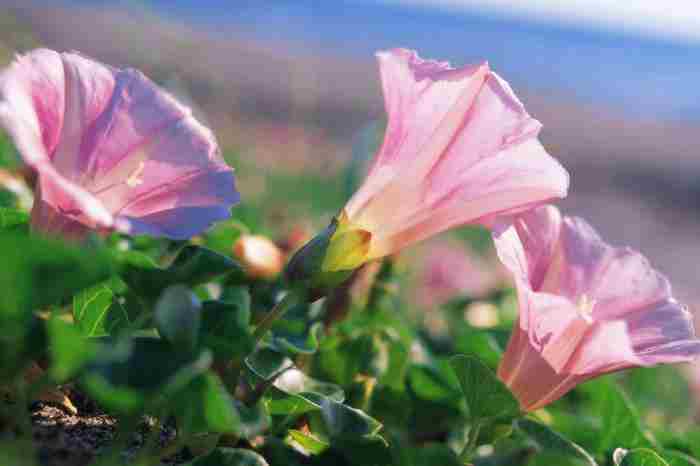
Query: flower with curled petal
(112, 150)
(459, 148)
(586, 308)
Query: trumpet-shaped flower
(459, 148)
(586, 308)
(112, 150)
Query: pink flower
(459, 148)
(112, 150)
(586, 308)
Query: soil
(63, 438)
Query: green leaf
(432, 455)
(205, 405)
(292, 392)
(35, 274)
(103, 310)
(225, 329)
(192, 266)
(300, 393)
(479, 341)
(487, 397)
(374, 354)
(254, 419)
(432, 382)
(310, 444)
(637, 457)
(11, 218)
(296, 337)
(677, 458)
(230, 457)
(223, 235)
(178, 316)
(127, 374)
(357, 451)
(620, 422)
(69, 349)
(549, 440)
(33, 265)
(342, 421)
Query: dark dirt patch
(65, 439)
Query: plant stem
(471, 445)
(289, 300)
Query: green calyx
(330, 257)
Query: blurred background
(291, 86)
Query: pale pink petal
(530, 377)
(88, 88)
(459, 148)
(586, 308)
(608, 347)
(556, 328)
(526, 244)
(109, 143)
(627, 283)
(32, 103)
(425, 102)
(663, 333)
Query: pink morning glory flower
(586, 308)
(112, 150)
(459, 148)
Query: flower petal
(109, 142)
(426, 103)
(525, 245)
(663, 333)
(459, 148)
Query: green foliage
(638, 457)
(487, 397)
(146, 326)
(549, 440)
(231, 457)
(620, 422)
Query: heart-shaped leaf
(620, 422)
(487, 397)
(205, 405)
(549, 440)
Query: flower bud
(330, 257)
(259, 255)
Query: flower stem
(471, 445)
(289, 300)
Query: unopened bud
(482, 315)
(330, 257)
(259, 255)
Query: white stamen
(136, 177)
(585, 307)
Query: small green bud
(329, 258)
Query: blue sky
(636, 60)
